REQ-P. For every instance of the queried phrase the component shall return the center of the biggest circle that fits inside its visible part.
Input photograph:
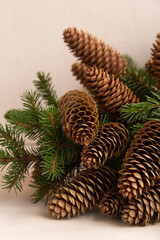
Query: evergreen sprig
(54, 153)
(45, 88)
(44, 188)
(26, 121)
(138, 80)
(15, 156)
(12, 141)
(143, 111)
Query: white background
(31, 40)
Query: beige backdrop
(31, 40)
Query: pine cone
(79, 116)
(78, 70)
(111, 140)
(82, 193)
(154, 63)
(141, 165)
(93, 52)
(108, 92)
(144, 209)
(112, 203)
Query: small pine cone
(154, 63)
(109, 93)
(78, 70)
(144, 209)
(82, 193)
(111, 140)
(141, 165)
(79, 116)
(93, 52)
(112, 203)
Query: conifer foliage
(102, 148)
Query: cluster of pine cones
(134, 193)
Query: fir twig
(45, 88)
(15, 156)
(138, 80)
(143, 111)
(43, 187)
(26, 121)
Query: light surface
(31, 38)
(30, 41)
(21, 219)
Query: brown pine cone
(111, 140)
(108, 92)
(78, 70)
(79, 116)
(112, 203)
(154, 63)
(144, 209)
(141, 165)
(82, 193)
(93, 52)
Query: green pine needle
(52, 166)
(138, 80)
(133, 130)
(11, 140)
(143, 111)
(103, 118)
(45, 88)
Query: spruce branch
(26, 121)
(17, 169)
(45, 88)
(32, 102)
(16, 173)
(143, 111)
(12, 141)
(58, 152)
(53, 166)
(44, 188)
(138, 80)
(15, 156)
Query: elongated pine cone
(79, 69)
(112, 203)
(111, 140)
(82, 193)
(153, 64)
(141, 165)
(109, 93)
(79, 116)
(144, 209)
(93, 52)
